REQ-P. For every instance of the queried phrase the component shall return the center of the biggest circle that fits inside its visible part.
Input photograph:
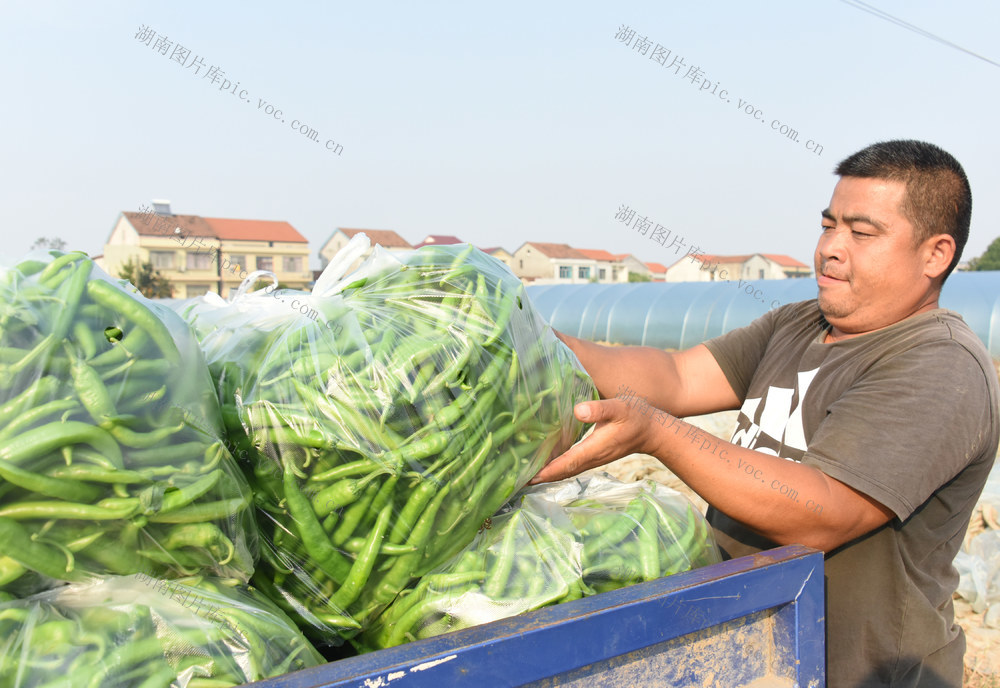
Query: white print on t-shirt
(771, 421)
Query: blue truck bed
(754, 622)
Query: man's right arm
(684, 383)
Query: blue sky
(500, 124)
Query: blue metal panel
(691, 629)
(678, 315)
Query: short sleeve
(740, 351)
(907, 426)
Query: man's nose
(831, 243)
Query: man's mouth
(829, 278)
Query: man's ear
(938, 251)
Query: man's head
(894, 230)
(938, 199)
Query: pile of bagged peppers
(212, 492)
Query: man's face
(869, 273)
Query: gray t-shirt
(906, 415)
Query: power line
(865, 7)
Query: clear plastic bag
(140, 631)
(385, 415)
(984, 551)
(111, 457)
(553, 543)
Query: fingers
(603, 445)
(565, 466)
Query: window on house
(761, 273)
(198, 289)
(583, 273)
(521, 261)
(291, 263)
(237, 259)
(265, 263)
(601, 274)
(162, 260)
(199, 261)
(565, 272)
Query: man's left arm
(875, 455)
(784, 501)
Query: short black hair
(938, 199)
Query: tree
(146, 279)
(53, 243)
(990, 260)
(638, 277)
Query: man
(867, 425)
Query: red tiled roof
(383, 237)
(213, 228)
(557, 250)
(780, 259)
(439, 240)
(599, 254)
(786, 261)
(164, 225)
(656, 267)
(255, 230)
(715, 258)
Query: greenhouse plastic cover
(678, 315)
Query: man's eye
(859, 234)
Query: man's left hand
(618, 432)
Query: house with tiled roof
(607, 267)
(544, 263)
(206, 254)
(707, 267)
(616, 267)
(790, 266)
(500, 253)
(386, 238)
(657, 272)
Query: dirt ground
(982, 657)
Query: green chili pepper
(407, 518)
(409, 565)
(354, 545)
(70, 490)
(353, 516)
(362, 567)
(140, 440)
(649, 555)
(75, 286)
(181, 497)
(43, 412)
(61, 261)
(204, 511)
(346, 470)
(85, 339)
(19, 546)
(105, 294)
(340, 494)
(311, 532)
(500, 572)
(201, 535)
(166, 455)
(42, 388)
(629, 521)
(37, 442)
(91, 390)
